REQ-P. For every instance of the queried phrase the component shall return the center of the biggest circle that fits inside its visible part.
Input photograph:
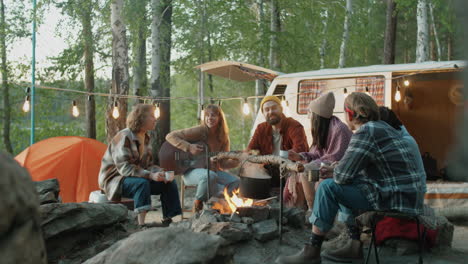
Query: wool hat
(269, 98)
(324, 105)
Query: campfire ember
(230, 204)
(235, 201)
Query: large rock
(165, 245)
(74, 226)
(20, 230)
(265, 230)
(48, 191)
(231, 232)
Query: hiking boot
(308, 255)
(197, 206)
(350, 252)
(166, 221)
(337, 242)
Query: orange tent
(74, 161)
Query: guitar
(172, 158)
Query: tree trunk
(422, 44)
(390, 33)
(89, 68)
(323, 46)
(436, 37)
(344, 40)
(449, 47)
(120, 76)
(259, 86)
(6, 92)
(140, 81)
(155, 48)
(275, 28)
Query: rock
(295, 217)
(21, 239)
(265, 230)
(48, 197)
(48, 186)
(247, 220)
(235, 218)
(231, 232)
(165, 245)
(69, 217)
(255, 212)
(444, 232)
(207, 216)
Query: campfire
(231, 203)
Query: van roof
(395, 68)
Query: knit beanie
(324, 105)
(269, 98)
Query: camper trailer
(427, 96)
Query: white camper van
(430, 94)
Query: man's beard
(274, 120)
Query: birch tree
(86, 15)
(322, 50)
(344, 39)
(120, 75)
(434, 30)
(422, 42)
(390, 33)
(259, 85)
(275, 28)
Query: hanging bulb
(75, 111)
(246, 108)
(398, 94)
(157, 111)
(284, 103)
(26, 105)
(345, 93)
(367, 91)
(115, 111)
(202, 113)
(406, 83)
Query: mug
(169, 175)
(313, 175)
(284, 154)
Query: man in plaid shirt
(377, 172)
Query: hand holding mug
(158, 176)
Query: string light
(75, 111)
(246, 108)
(157, 111)
(202, 113)
(26, 105)
(285, 106)
(345, 93)
(398, 94)
(115, 111)
(367, 91)
(406, 83)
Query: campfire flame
(235, 201)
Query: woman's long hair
(137, 116)
(320, 126)
(223, 129)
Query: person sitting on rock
(330, 138)
(127, 168)
(377, 172)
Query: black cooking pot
(255, 188)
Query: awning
(237, 71)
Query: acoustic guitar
(179, 161)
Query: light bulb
(367, 91)
(157, 112)
(345, 92)
(246, 108)
(26, 105)
(75, 111)
(202, 114)
(398, 95)
(406, 83)
(115, 111)
(284, 104)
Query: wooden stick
(264, 159)
(265, 200)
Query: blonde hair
(362, 107)
(223, 129)
(137, 116)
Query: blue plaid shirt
(381, 164)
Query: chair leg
(374, 225)
(369, 250)
(182, 195)
(420, 241)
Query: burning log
(264, 159)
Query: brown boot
(197, 206)
(308, 255)
(349, 252)
(337, 242)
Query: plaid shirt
(123, 159)
(380, 163)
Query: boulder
(231, 232)
(165, 245)
(265, 230)
(48, 190)
(21, 238)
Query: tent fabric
(73, 161)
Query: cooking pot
(254, 188)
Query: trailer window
(374, 85)
(308, 90)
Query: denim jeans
(331, 197)
(141, 189)
(199, 177)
